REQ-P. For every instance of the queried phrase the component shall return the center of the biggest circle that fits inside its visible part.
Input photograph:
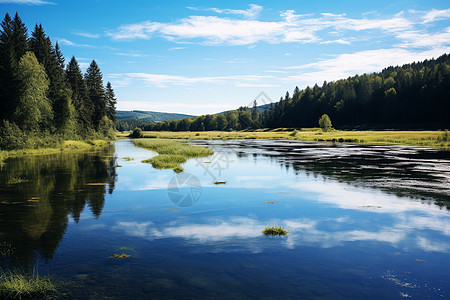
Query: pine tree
(83, 106)
(96, 93)
(52, 60)
(111, 102)
(13, 45)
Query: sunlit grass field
(433, 139)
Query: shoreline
(432, 139)
(69, 145)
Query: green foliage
(33, 109)
(325, 122)
(137, 133)
(39, 97)
(11, 136)
(274, 231)
(111, 102)
(96, 93)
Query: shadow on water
(39, 193)
(418, 173)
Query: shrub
(137, 133)
(11, 136)
(325, 122)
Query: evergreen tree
(83, 106)
(59, 92)
(111, 102)
(96, 93)
(13, 45)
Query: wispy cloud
(252, 12)
(29, 2)
(291, 28)
(67, 42)
(165, 80)
(435, 15)
(349, 64)
(70, 43)
(88, 35)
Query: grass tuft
(19, 285)
(274, 231)
(171, 153)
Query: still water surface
(364, 222)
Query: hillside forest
(411, 96)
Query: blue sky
(202, 57)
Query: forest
(411, 96)
(43, 101)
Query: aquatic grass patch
(171, 153)
(275, 231)
(19, 285)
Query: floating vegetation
(128, 158)
(19, 285)
(220, 182)
(120, 256)
(171, 153)
(17, 180)
(275, 231)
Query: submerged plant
(120, 256)
(274, 231)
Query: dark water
(364, 222)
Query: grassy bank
(64, 146)
(171, 153)
(433, 139)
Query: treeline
(42, 100)
(416, 94)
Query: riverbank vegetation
(434, 139)
(171, 153)
(43, 101)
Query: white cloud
(349, 64)
(435, 15)
(88, 35)
(420, 39)
(291, 28)
(164, 80)
(29, 2)
(70, 43)
(252, 12)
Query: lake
(364, 222)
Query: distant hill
(149, 116)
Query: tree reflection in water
(39, 193)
